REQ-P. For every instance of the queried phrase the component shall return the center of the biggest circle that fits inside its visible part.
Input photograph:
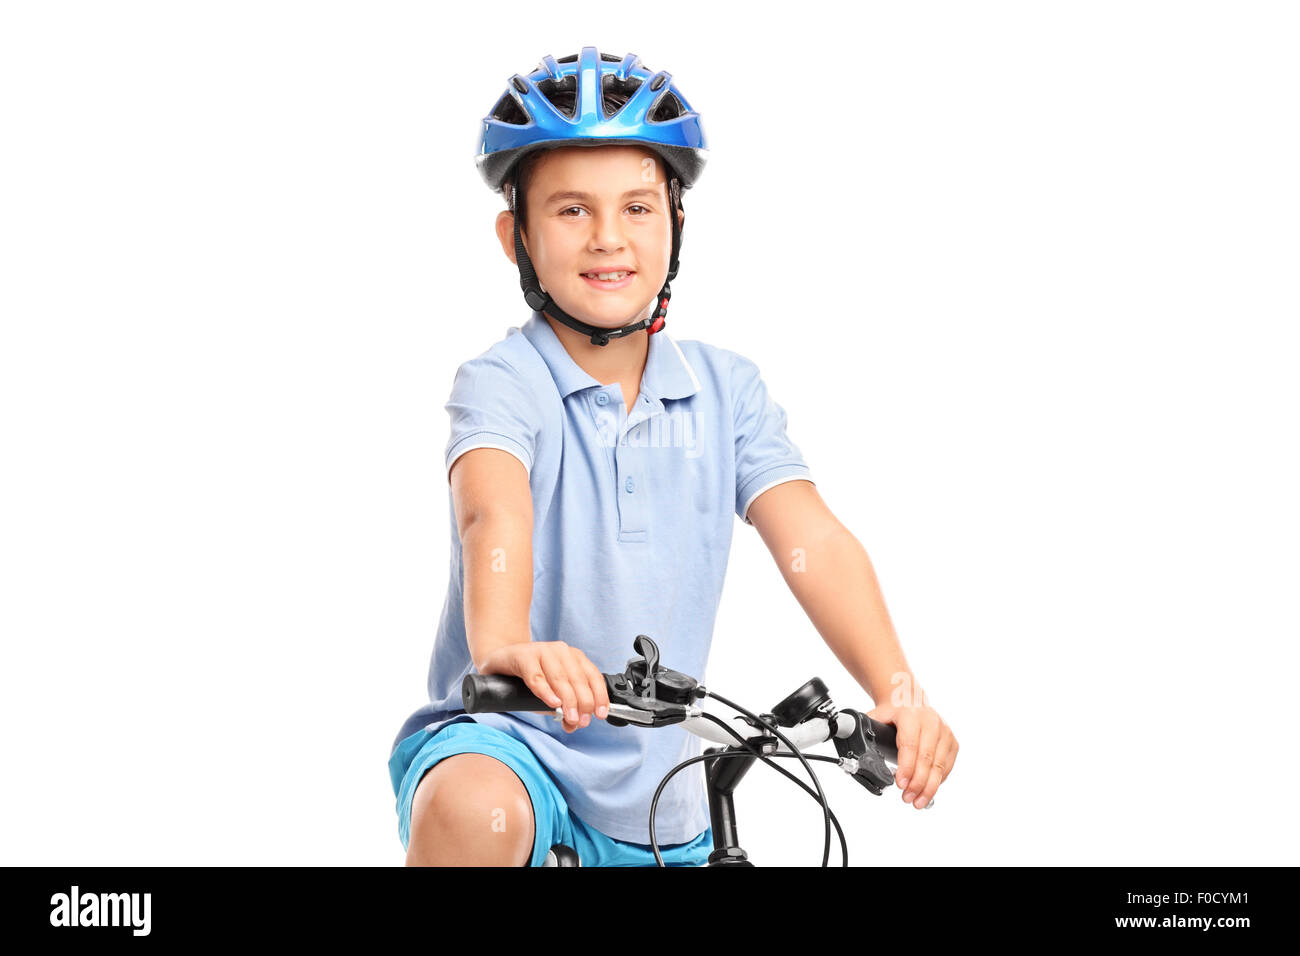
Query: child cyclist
(594, 467)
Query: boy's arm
(831, 576)
(493, 504)
(494, 517)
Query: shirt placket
(630, 472)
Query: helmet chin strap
(541, 301)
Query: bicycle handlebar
(649, 695)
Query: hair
(565, 99)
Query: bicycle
(650, 695)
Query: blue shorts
(553, 821)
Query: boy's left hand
(927, 750)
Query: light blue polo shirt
(633, 515)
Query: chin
(609, 310)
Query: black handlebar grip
(498, 694)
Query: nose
(607, 232)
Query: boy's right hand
(560, 675)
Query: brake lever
(647, 694)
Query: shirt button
(602, 398)
(630, 485)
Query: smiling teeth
(606, 276)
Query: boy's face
(594, 209)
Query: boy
(577, 525)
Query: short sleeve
(765, 456)
(492, 406)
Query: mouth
(609, 281)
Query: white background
(1023, 275)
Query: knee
(470, 815)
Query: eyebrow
(587, 197)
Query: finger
(558, 676)
(938, 770)
(599, 690)
(558, 653)
(578, 681)
(533, 674)
(568, 725)
(925, 751)
(581, 683)
(906, 739)
(540, 686)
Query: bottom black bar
(1223, 905)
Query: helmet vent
(562, 93)
(508, 111)
(669, 107)
(614, 93)
(606, 57)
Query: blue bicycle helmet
(562, 103)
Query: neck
(622, 360)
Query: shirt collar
(667, 373)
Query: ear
(681, 218)
(506, 233)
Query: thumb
(884, 713)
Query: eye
(643, 209)
(564, 211)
